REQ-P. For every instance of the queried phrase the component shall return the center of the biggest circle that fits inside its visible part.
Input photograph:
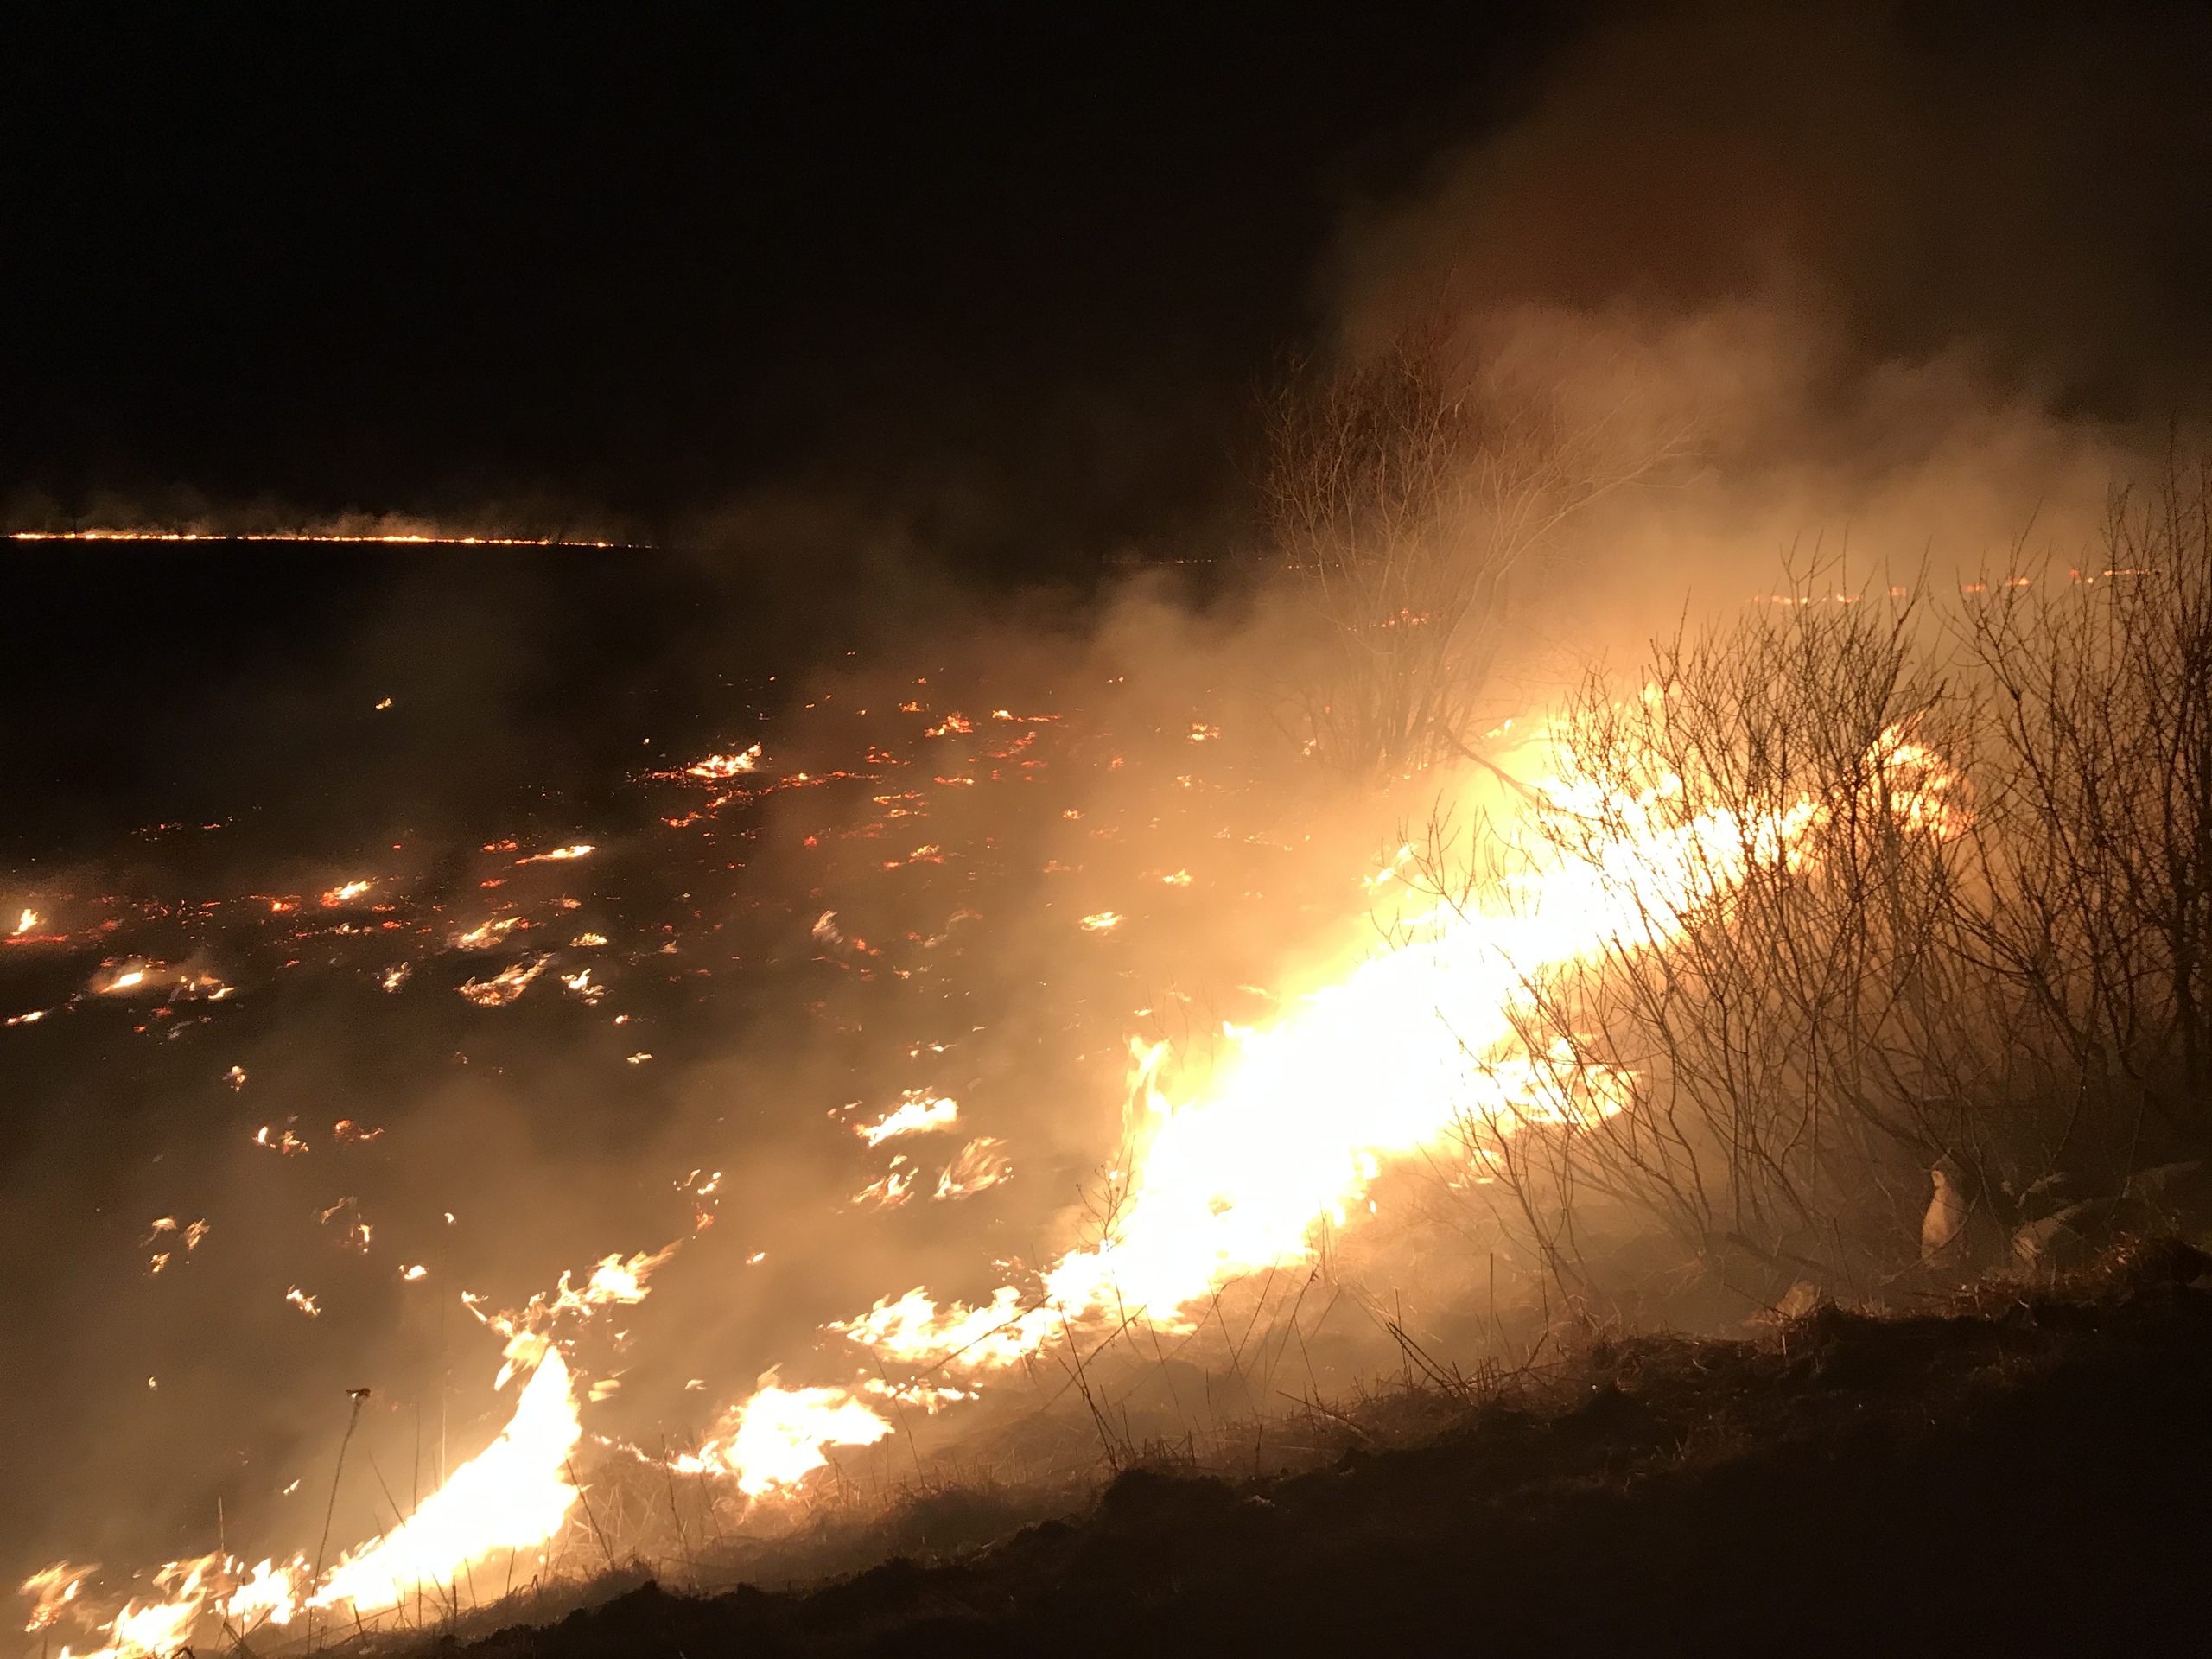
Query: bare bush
(1939, 898)
(2093, 829)
(1405, 492)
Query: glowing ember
(505, 985)
(51, 1590)
(716, 768)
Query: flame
(163, 1627)
(344, 894)
(484, 935)
(979, 1165)
(26, 922)
(505, 985)
(896, 1186)
(269, 1595)
(1414, 1041)
(579, 850)
(1240, 1174)
(51, 1590)
(918, 1113)
(614, 1281)
(513, 1495)
(780, 1436)
(715, 768)
(407, 539)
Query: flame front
(514, 1495)
(1239, 1176)
(1414, 1042)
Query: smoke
(1917, 282)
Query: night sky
(1014, 272)
(773, 288)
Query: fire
(269, 1595)
(163, 1627)
(577, 849)
(51, 1591)
(1386, 1062)
(1241, 1173)
(514, 1495)
(505, 985)
(978, 1165)
(716, 768)
(345, 894)
(918, 1113)
(780, 1436)
(26, 922)
(406, 539)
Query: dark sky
(1032, 257)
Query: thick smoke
(1917, 284)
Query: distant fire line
(410, 540)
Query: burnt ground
(2023, 1470)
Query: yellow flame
(716, 767)
(779, 1437)
(918, 1113)
(513, 1495)
(51, 1590)
(1414, 1042)
(269, 1595)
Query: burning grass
(1741, 959)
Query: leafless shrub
(1941, 897)
(1405, 492)
(2093, 824)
